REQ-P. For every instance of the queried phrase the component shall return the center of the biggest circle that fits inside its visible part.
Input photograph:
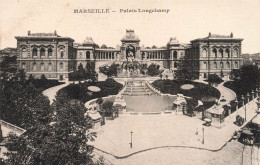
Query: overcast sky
(187, 20)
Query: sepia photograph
(119, 82)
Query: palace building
(56, 56)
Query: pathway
(51, 92)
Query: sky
(187, 20)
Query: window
(87, 55)
(61, 66)
(228, 53)
(205, 65)
(221, 53)
(215, 54)
(23, 65)
(34, 52)
(221, 65)
(236, 65)
(235, 52)
(50, 67)
(175, 54)
(49, 52)
(61, 53)
(204, 53)
(34, 66)
(215, 65)
(228, 65)
(42, 52)
(175, 65)
(42, 66)
(24, 53)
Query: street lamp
(131, 143)
(236, 104)
(243, 99)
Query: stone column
(253, 95)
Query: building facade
(56, 56)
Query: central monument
(130, 48)
(131, 54)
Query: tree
(235, 74)
(184, 74)
(214, 79)
(43, 77)
(21, 75)
(154, 47)
(153, 70)
(23, 105)
(103, 46)
(107, 106)
(62, 141)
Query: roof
(130, 36)
(217, 37)
(43, 36)
(8, 127)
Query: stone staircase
(137, 88)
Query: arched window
(34, 66)
(24, 53)
(175, 54)
(205, 65)
(221, 53)
(61, 66)
(204, 53)
(49, 52)
(215, 65)
(236, 65)
(87, 55)
(215, 54)
(34, 52)
(235, 52)
(221, 65)
(49, 67)
(23, 65)
(61, 53)
(42, 66)
(228, 53)
(228, 65)
(42, 52)
(175, 64)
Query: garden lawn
(81, 92)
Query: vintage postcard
(120, 82)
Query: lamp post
(236, 104)
(243, 99)
(131, 143)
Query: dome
(130, 36)
(88, 41)
(173, 41)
